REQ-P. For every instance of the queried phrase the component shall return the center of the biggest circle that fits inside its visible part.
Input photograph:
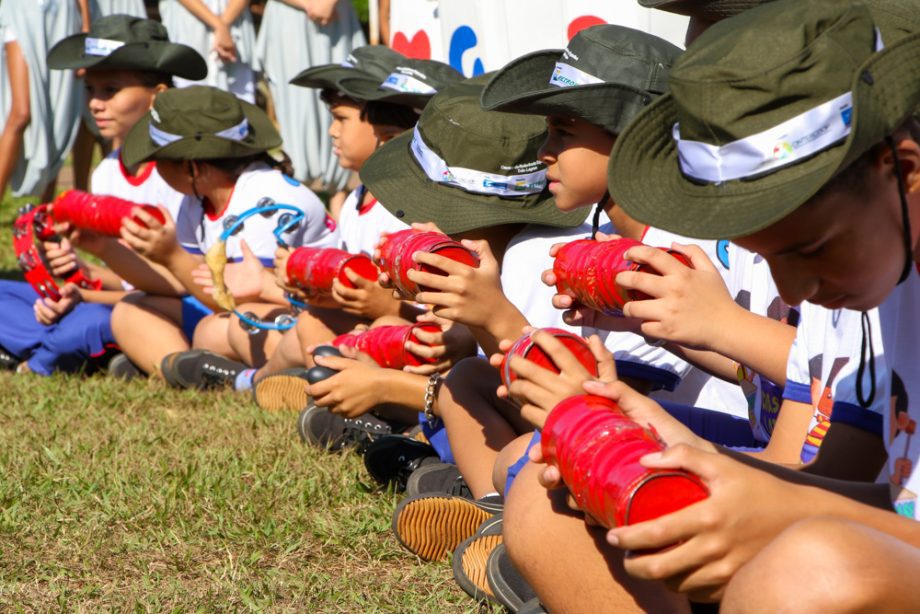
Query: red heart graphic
(419, 47)
(580, 23)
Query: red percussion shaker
(396, 253)
(386, 345)
(99, 213)
(587, 270)
(597, 450)
(313, 269)
(526, 348)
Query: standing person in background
(222, 32)
(41, 107)
(101, 8)
(314, 32)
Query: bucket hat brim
(522, 86)
(403, 188)
(369, 90)
(262, 137)
(327, 76)
(645, 177)
(149, 56)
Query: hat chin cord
(596, 220)
(905, 214)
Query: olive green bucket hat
(605, 76)
(199, 123)
(122, 42)
(412, 83)
(465, 168)
(763, 111)
(713, 10)
(369, 62)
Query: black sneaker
(121, 367)
(199, 369)
(285, 390)
(325, 429)
(506, 584)
(443, 478)
(392, 459)
(7, 360)
(471, 557)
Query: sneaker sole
(431, 527)
(469, 565)
(281, 392)
(503, 592)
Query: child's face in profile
(353, 139)
(576, 154)
(117, 99)
(843, 248)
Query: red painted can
(102, 214)
(396, 253)
(526, 348)
(386, 345)
(597, 450)
(586, 270)
(313, 269)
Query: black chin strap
(905, 214)
(596, 221)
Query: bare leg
(19, 116)
(318, 325)
(568, 564)
(255, 349)
(287, 355)
(211, 334)
(828, 565)
(147, 328)
(476, 429)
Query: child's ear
(909, 157)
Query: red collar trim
(209, 209)
(362, 209)
(644, 232)
(141, 177)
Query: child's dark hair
(389, 114)
(153, 79)
(334, 97)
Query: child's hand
(243, 279)
(690, 306)
(62, 258)
(157, 241)
(321, 12)
(84, 239)
(48, 312)
(351, 392)
(367, 299)
(539, 390)
(224, 45)
(471, 296)
(450, 345)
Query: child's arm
(234, 9)
(84, 15)
(223, 42)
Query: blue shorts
(515, 469)
(193, 312)
(714, 426)
(437, 436)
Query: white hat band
(472, 180)
(100, 47)
(236, 133)
(566, 75)
(407, 84)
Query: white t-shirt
(198, 228)
(360, 226)
(751, 285)
(111, 178)
(527, 256)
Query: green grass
(129, 496)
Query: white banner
(475, 36)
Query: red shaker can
(597, 450)
(587, 270)
(526, 348)
(313, 269)
(396, 253)
(102, 214)
(386, 345)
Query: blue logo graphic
(290, 180)
(847, 116)
(722, 252)
(464, 39)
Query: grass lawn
(131, 496)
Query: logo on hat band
(407, 84)
(472, 180)
(804, 135)
(566, 75)
(100, 47)
(236, 133)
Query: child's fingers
(441, 283)
(558, 353)
(606, 364)
(426, 351)
(448, 265)
(429, 337)
(534, 414)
